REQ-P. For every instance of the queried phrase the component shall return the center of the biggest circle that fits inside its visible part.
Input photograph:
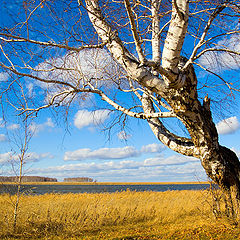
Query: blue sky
(82, 147)
(84, 150)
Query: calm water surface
(42, 189)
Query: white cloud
(9, 157)
(3, 76)
(123, 135)
(30, 87)
(102, 153)
(36, 128)
(5, 157)
(13, 126)
(227, 126)
(153, 148)
(2, 124)
(2, 138)
(173, 168)
(35, 157)
(89, 65)
(84, 118)
(49, 123)
(172, 160)
(111, 153)
(221, 60)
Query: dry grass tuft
(121, 215)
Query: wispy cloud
(153, 148)
(171, 168)
(102, 153)
(172, 160)
(123, 135)
(84, 118)
(13, 126)
(30, 88)
(227, 126)
(10, 157)
(36, 128)
(35, 157)
(5, 157)
(2, 124)
(95, 65)
(3, 138)
(111, 153)
(221, 60)
(3, 76)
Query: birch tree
(152, 50)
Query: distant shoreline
(102, 183)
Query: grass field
(122, 215)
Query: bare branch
(180, 15)
(220, 35)
(218, 10)
(136, 71)
(30, 111)
(127, 111)
(31, 13)
(13, 38)
(37, 78)
(163, 27)
(179, 144)
(217, 75)
(201, 11)
(5, 55)
(216, 50)
(134, 31)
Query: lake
(67, 188)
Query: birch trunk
(178, 86)
(220, 163)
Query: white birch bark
(120, 53)
(156, 54)
(175, 38)
(134, 31)
(178, 144)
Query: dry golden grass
(121, 215)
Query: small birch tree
(23, 146)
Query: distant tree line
(78, 179)
(43, 179)
(27, 179)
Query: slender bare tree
(169, 56)
(21, 157)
